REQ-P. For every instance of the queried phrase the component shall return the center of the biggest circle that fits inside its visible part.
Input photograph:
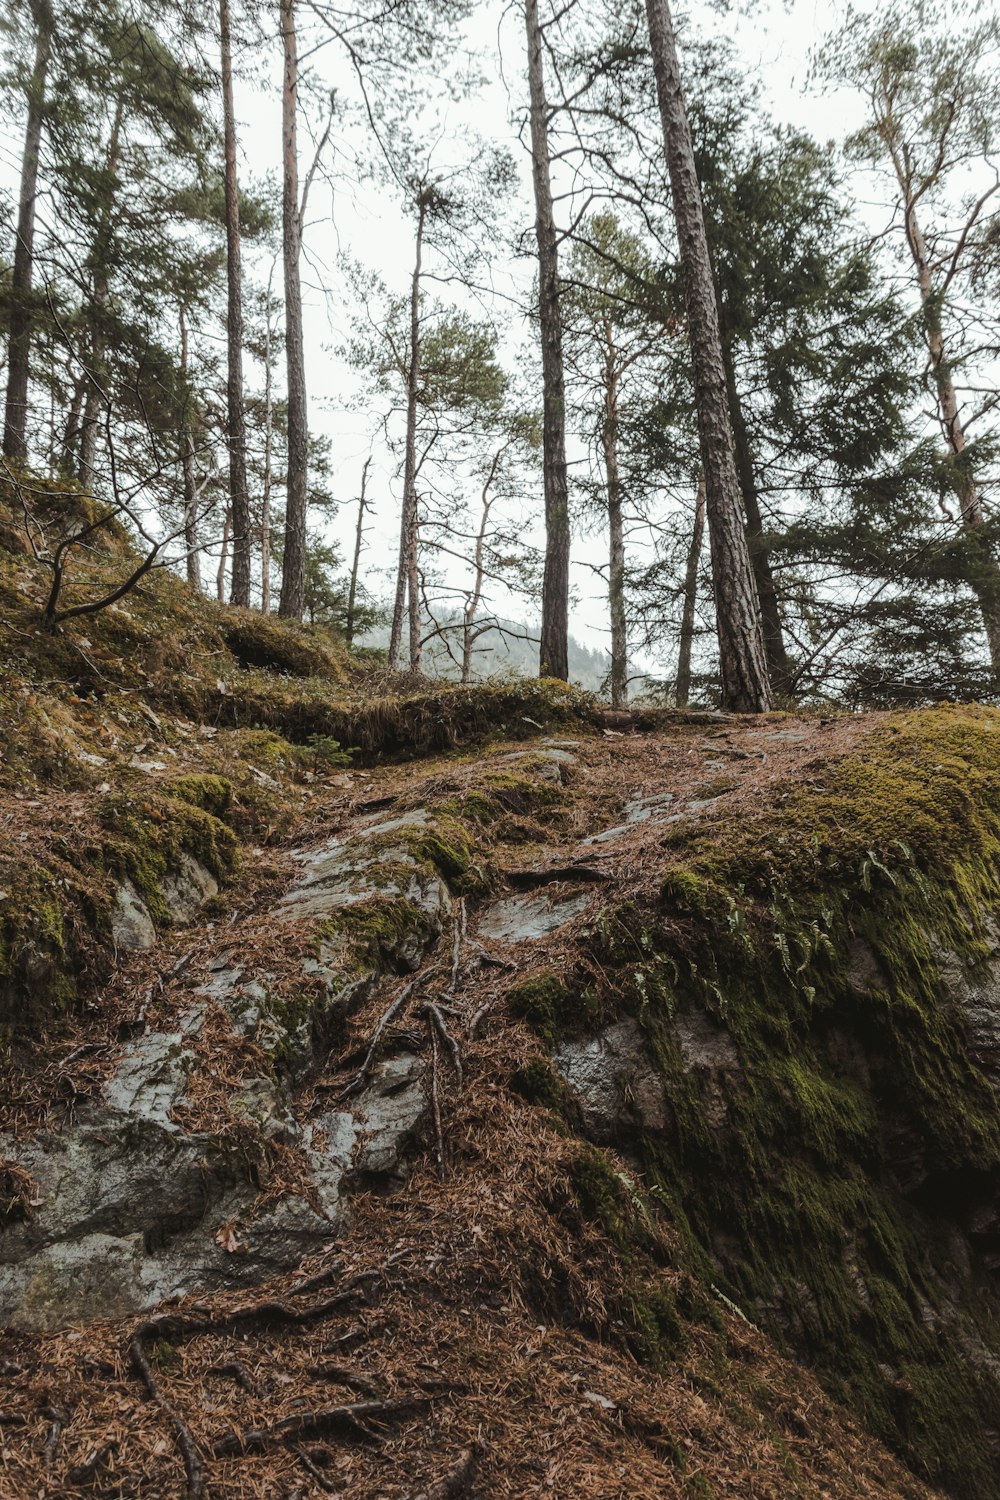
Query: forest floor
(460, 1338)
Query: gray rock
(390, 1112)
(150, 1080)
(132, 928)
(644, 808)
(614, 1082)
(186, 889)
(527, 918)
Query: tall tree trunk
(220, 577)
(192, 555)
(984, 577)
(743, 664)
(72, 428)
(616, 530)
(407, 580)
(102, 293)
(554, 650)
(15, 440)
(778, 666)
(682, 693)
(239, 495)
(352, 593)
(265, 502)
(293, 568)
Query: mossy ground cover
(797, 1187)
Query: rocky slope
(539, 1108)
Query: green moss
(145, 837)
(213, 794)
(539, 1083)
(540, 1002)
(382, 933)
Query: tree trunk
(265, 503)
(192, 555)
(352, 593)
(15, 440)
(778, 666)
(984, 577)
(102, 292)
(616, 531)
(293, 568)
(554, 651)
(220, 577)
(743, 664)
(72, 429)
(239, 496)
(682, 693)
(407, 580)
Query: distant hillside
(511, 647)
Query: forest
(733, 396)
(499, 750)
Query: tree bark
(72, 428)
(742, 660)
(682, 692)
(554, 648)
(408, 581)
(984, 577)
(239, 496)
(265, 502)
(102, 292)
(220, 577)
(778, 666)
(15, 439)
(616, 530)
(192, 555)
(293, 568)
(352, 593)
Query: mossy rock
(278, 645)
(797, 1189)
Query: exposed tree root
(397, 1007)
(529, 880)
(314, 1471)
(343, 1421)
(344, 1375)
(58, 1418)
(193, 1466)
(84, 1472)
(459, 1478)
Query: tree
(554, 646)
(933, 96)
(292, 599)
(239, 497)
(616, 320)
(743, 664)
(15, 443)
